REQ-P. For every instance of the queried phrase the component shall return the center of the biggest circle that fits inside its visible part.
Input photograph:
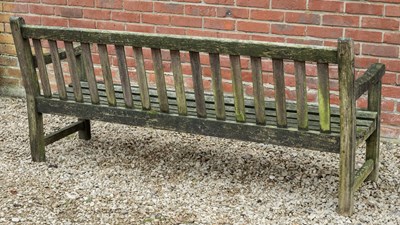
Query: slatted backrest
(214, 48)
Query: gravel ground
(133, 175)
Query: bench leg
(36, 135)
(85, 133)
(346, 181)
(374, 104)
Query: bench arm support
(62, 55)
(372, 76)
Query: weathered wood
(323, 96)
(301, 94)
(58, 73)
(372, 152)
(178, 81)
(184, 43)
(372, 76)
(107, 76)
(44, 77)
(160, 79)
(31, 84)
(142, 78)
(217, 85)
(347, 125)
(85, 133)
(63, 132)
(280, 94)
(258, 90)
(363, 173)
(190, 124)
(198, 84)
(73, 70)
(89, 71)
(61, 54)
(237, 84)
(124, 76)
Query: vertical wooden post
(35, 118)
(374, 104)
(347, 125)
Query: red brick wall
(373, 24)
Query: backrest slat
(123, 73)
(44, 78)
(198, 84)
(73, 70)
(107, 76)
(58, 73)
(160, 79)
(89, 71)
(258, 90)
(280, 99)
(301, 94)
(217, 86)
(323, 97)
(142, 78)
(237, 88)
(178, 81)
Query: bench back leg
(35, 119)
(85, 133)
(374, 104)
(347, 126)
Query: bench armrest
(62, 54)
(372, 76)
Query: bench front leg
(85, 133)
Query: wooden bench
(321, 126)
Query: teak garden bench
(321, 126)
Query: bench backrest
(196, 46)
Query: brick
(291, 5)
(220, 2)
(256, 4)
(365, 62)
(32, 19)
(340, 20)
(304, 18)
(389, 78)
(170, 30)
(141, 6)
(363, 35)
(97, 14)
(199, 10)
(392, 132)
(219, 24)
(109, 25)
(8, 49)
(171, 8)
(364, 8)
(326, 5)
(234, 35)
(390, 118)
(185, 21)
(140, 28)
(201, 33)
(380, 50)
(253, 27)
(392, 37)
(391, 64)
(9, 81)
(267, 38)
(155, 19)
(15, 7)
(285, 29)
(68, 12)
(8, 60)
(380, 23)
(6, 38)
(192, 1)
(55, 2)
(82, 23)
(388, 105)
(324, 32)
(54, 21)
(41, 9)
(85, 3)
(125, 16)
(267, 15)
(233, 12)
(303, 41)
(110, 4)
(392, 11)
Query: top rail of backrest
(185, 43)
